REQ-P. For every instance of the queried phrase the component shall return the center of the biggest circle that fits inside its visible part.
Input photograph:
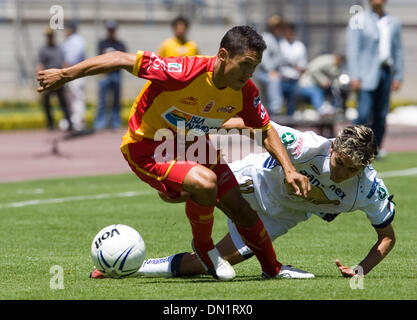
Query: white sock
(160, 267)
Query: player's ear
(223, 55)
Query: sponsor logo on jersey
(256, 101)
(299, 148)
(263, 112)
(228, 109)
(208, 107)
(156, 62)
(287, 138)
(382, 193)
(315, 169)
(174, 67)
(317, 183)
(189, 121)
(191, 101)
(339, 192)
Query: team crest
(287, 138)
(382, 193)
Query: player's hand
(395, 85)
(50, 79)
(355, 84)
(344, 270)
(299, 183)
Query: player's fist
(50, 79)
(344, 270)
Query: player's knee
(202, 181)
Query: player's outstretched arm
(52, 79)
(384, 244)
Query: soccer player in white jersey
(342, 180)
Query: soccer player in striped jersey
(342, 180)
(196, 93)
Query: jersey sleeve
(376, 201)
(172, 73)
(301, 146)
(253, 112)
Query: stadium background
(145, 23)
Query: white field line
(76, 198)
(397, 173)
(387, 174)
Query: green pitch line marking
(76, 198)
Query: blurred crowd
(371, 66)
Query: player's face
(342, 167)
(239, 69)
(180, 30)
(377, 4)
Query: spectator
(74, 52)
(110, 82)
(178, 45)
(316, 81)
(268, 72)
(51, 56)
(375, 64)
(293, 64)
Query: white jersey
(310, 155)
(262, 184)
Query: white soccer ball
(118, 251)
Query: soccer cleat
(288, 272)
(215, 265)
(96, 274)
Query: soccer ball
(118, 251)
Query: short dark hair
(291, 26)
(180, 19)
(240, 39)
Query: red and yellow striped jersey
(182, 89)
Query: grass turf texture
(35, 238)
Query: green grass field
(40, 234)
